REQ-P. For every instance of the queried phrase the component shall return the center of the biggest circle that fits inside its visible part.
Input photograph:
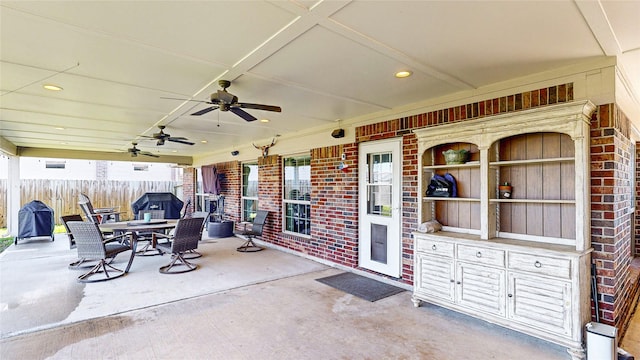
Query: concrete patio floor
(264, 305)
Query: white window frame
(300, 201)
(242, 192)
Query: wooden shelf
(427, 198)
(531, 161)
(532, 201)
(470, 164)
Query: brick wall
(334, 206)
(270, 195)
(612, 185)
(410, 198)
(231, 188)
(189, 187)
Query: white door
(379, 185)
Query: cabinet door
(541, 303)
(481, 288)
(435, 277)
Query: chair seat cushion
(112, 249)
(165, 246)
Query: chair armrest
(119, 238)
(162, 235)
(102, 212)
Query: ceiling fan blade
(181, 140)
(146, 153)
(259, 107)
(204, 111)
(243, 114)
(172, 98)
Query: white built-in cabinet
(520, 262)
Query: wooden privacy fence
(62, 195)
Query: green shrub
(5, 243)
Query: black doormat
(360, 286)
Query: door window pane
(379, 184)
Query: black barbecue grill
(35, 219)
(159, 201)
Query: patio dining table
(134, 227)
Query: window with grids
(297, 194)
(249, 191)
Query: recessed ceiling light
(174, 151)
(264, 120)
(403, 74)
(203, 141)
(64, 143)
(59, 128)
(52, 87)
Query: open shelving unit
(521, 262)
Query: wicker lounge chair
(194, 254)
(91, 246)
(255, 230)
(97, 215)
(187, 234)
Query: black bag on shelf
(440, 187)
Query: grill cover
(35, 219)
(159, 201)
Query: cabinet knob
(452, 280)
(537, 264)
(510, 295)
(433, 247)
(478, 254)
(458, 282)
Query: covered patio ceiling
(324, 63)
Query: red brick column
(410, 198)
(189, 186)
(270, 194)
(231, 188)
(334, 205)
(612, 184)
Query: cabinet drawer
(480, 255)
(540, 264)
(435, 247)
